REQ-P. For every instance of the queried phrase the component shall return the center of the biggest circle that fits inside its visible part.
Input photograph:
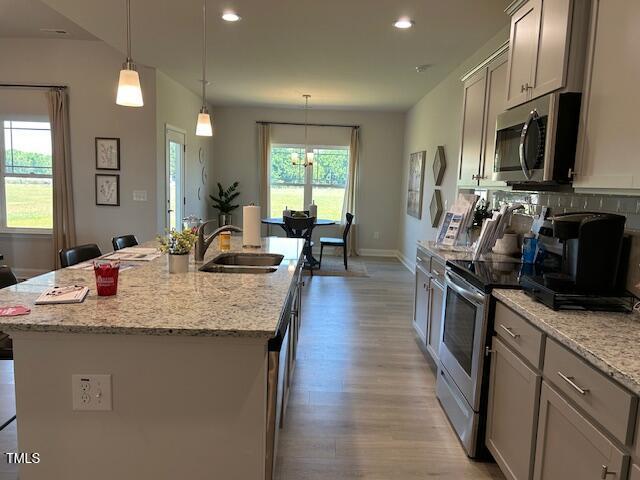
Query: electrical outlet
(376, 235)
(91, 392)
(140, 195)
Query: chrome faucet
(202, 243)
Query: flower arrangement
(176, 242)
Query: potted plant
(178, 245)
(224, 203)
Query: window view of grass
(29, 203)
(327, 180)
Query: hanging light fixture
(308, 159)
(129, 91)
(203, 126)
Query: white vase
(178, 263)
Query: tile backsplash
(575, 202)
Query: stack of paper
(493, 229)
(138, 254)
(70, 294)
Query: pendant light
(308, 158)
(203, 125)
(129, 91)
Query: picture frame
(107, 153)
(416, 182)
(108, 189)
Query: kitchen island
(188, 359)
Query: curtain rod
(23, 85)
(309, 124)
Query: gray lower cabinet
(512, 412)
(434, 321)
(421, 303)
(570, 446)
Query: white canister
(313, 209)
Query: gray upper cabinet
(512, 412)
(472, 128)
(522, 52)
(570, 446)
(495, 104)
(609, 142)
(547, 48)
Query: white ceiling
(345, 53)
(26, 18)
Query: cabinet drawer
(609, 404)
(437, 270)
(423, 261)
(519, 334)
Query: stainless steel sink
(243, 263)
(248, 259)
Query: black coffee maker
(592, 270)
(592, 249)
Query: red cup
(106, 277)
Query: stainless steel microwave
(536, 141)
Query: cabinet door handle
(605, 471)
(522, 88)
(510, 332)
(570, 381)
(478, 177)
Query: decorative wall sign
(107, 153)
(435, 208)
(439, 166)
(201, 156)
(416, 180)
(108, 190)
(204, 175)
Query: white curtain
(64, 228)
(264, 153)
(350, 193)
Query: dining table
(320, 222)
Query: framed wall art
(108, 189)
(107, 153)
(416, 180)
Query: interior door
(523, 46)
(175, 149)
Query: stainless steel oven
(536, 141)
(460, 373)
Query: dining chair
(124, 241)
(338, 242)
(302, 227)
(7, 278)
(79, 253)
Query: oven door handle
(533, 117)
(469, 295)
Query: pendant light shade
(203, 125)
(129, 91)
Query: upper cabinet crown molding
(514, 6)
(547, 48)
(499, 51)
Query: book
(69, 294)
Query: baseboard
(406, 262)
(377, 252)
(26, 273)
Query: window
(295, 186)
(26, 189)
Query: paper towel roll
(251, 226)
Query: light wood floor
(363, 404)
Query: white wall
(236, 158)
(179, 107)
(90, 70)
(436, 120)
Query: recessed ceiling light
(422, 68)
(230, 17)
(404, 23)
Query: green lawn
(328, 199)
(29, 205)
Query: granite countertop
(152, 301)
(609, 341)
